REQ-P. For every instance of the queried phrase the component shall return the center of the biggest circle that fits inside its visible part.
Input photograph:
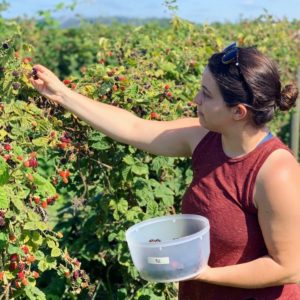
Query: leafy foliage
(100, 187)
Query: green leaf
(51, 244)
(3, 240)
(35, 225)
(33, 216)
(140, 169)
(55, 252)
(4, 199)
(34, 293)
(47, 263)
(13, 249)
(37, 238)
(18, 204)
(4, 175)
(41, 141)
(101, 145)
(39, 255)
(3, 134)
(129, 160)
(44, 187)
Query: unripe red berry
(7, 147)
(21, 275)
(25, 249)
(66, 81)
(13, 266)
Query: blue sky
(193, 10)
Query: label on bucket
(158, 260)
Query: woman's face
(213, 113)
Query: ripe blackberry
(15, 73)
(16, 85)
(5, 46)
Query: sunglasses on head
(231, 55)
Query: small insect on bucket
(170, 248)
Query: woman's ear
(239, 112)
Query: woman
(246, 182)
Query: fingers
(41, 68)
(43, 76)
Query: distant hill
(74, 22)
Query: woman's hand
(48, 84)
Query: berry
(115, 87)
(26, 164)
(1, 276)
(66, 81)
(13, 265)
(62, 174)
(5, 46)
(76, 274)
(27, 60)
(36, 199)
(35, 274)
(12, 237)
(44, 204)
(30, 258)
(24, 281)
(167, 87)
(2, 69)
(7, 147)
(15, 74)
(33, 162)
(65, 180)
(17, 284)
(14, 257)
(53, 134)
(2, 222)
(110, 73)
(25, 249)
(60, 235)
(21, 267)
(63, 145)
(30, 177)
(16, 85)
(169, 94)
(21, 275)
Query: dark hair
(260, 88)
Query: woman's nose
(198, 99)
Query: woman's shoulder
(280, 171)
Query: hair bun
(288, 98)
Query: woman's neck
(240, 142)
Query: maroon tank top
(222, 190)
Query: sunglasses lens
(229, 56)
(230, 47)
